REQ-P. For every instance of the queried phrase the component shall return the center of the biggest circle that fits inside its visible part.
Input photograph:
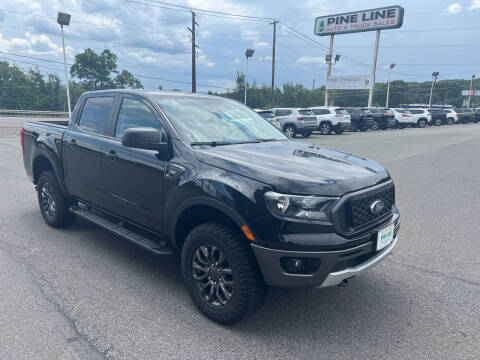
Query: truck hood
(295, 167)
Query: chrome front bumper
(336, 278)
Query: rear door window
(321, 111)
(283, 112)
(95, 114)
(305, 112)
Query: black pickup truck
(209, 179)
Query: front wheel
(438, 122)
(307, 134)
(339, 131)
(221, 273)
(450, 121)
(53, 204)
(375, 125)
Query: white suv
(452, 116)
(331, 118)
(403, 118)
(421, 117)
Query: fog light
(294, 265)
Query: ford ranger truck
(244, 206)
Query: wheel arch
(199, 210)
(43, 161)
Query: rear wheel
(422, 123)
(375, 125)
(339, 131)
(325, 128)
(221, 273)
(290, 131)
(438, 122)
(53, 204)
(307, 134)
(450, 121)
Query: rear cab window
(95, 114)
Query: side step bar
(118, 227)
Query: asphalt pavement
(83, 293)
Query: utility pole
(470, 92)
(435, 76)
(274, 23)
(388, 86)
(374, 69)
(329, 67)
(194, 47)
(313, 91)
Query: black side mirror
(144, 138)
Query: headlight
(300, 207)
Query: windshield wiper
(265, 140)
(211, 143)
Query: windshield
(208, 119)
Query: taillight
(362, 115)
(404, 115)
(386, 114)
(300, 118)
(22, 132)
(338, 115)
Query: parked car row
(328, 119)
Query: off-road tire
(249, 289)
(58, 215)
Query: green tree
(126, 80)
(95, 71)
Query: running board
(118, 227)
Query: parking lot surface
(83, 293)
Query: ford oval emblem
(377, 207)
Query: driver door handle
(111, 155)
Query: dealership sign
(390, 17)
(470, 92)
(352, 82)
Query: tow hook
(344, 282)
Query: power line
(137, 75)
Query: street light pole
(64, 19)
(248, 53)
(435, 76)
(388, 86)
(470, 92)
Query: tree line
(31, 90)
(401, 92)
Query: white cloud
(474, 5)
(310, 60)
(32, 44)
(454, 8)
(254, 37)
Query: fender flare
(207, 201)
(40, 152)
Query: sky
(151, 39)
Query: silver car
(270, 116)
(296, 121)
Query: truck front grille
(355, 214)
